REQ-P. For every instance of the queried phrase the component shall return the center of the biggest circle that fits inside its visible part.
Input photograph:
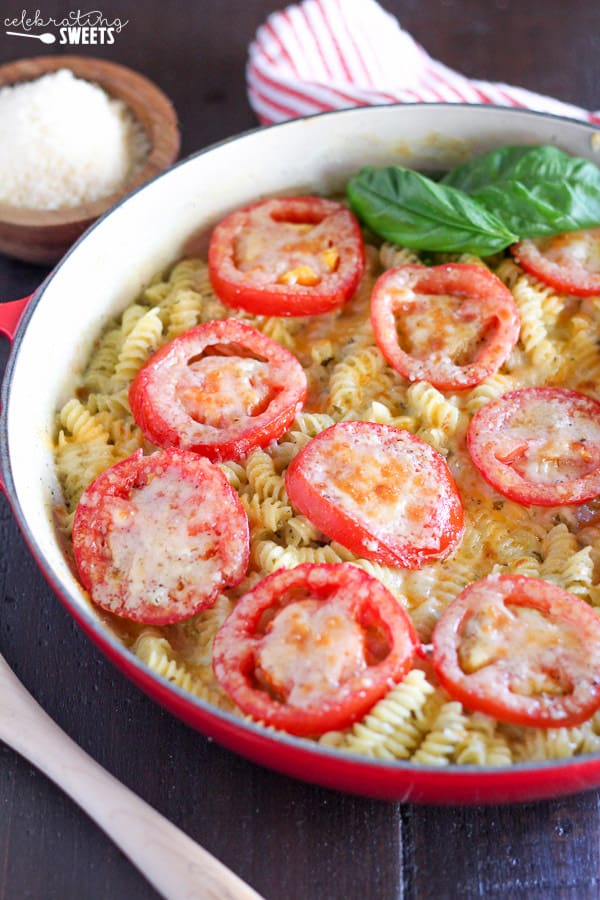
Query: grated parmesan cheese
(65, 142)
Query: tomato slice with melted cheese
(570, 263)
(157, 538)
(539, 446)
(287, 256)
(451, 325)
(521, 650)
(311, 649)
(381, 492)
(220, 389)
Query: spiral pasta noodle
(446, 735)
(159, 656)
(392, 730)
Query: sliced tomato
(311, 649)
(221, 389)
(288, 256)
(570, 263)
(156, 538)
(521, 650)
(450, 325)
(539, 446)
(381, 492)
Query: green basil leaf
(536, 191)
(402, 206)
(528, 164)
(545, 208)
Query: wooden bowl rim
(148, 103)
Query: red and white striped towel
(331, 54)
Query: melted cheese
(581, 248)
(387, 486)
(218, 391)
(310, 649)
(159, 547)
(439, 328)
(276, 249)
(527, 644)
(550, 442)
(523, 650)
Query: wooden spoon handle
(172, 862)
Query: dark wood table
(288, 839)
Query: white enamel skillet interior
(106, 270)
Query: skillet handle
(10, 316)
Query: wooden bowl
(43, 236)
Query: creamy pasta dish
(350, 489)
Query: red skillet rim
(457, 783)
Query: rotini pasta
(445, 737)
(394, 727)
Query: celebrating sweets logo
(76, 27)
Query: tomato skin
(553, 413)
(262, 289)
(493, 688)
(129, 549)
(484, 299)
(157, 395)
(330, 482)
(350, 592)
(557, 261)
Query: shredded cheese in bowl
(65, 142)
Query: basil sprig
(536, 191)
(483, 205)
(407, 208)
